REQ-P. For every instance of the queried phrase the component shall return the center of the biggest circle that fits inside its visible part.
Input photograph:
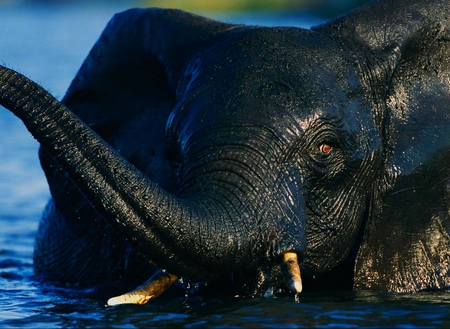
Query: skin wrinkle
(239, 186)
(415, 281)
(343, 201)
(235, 207)
(239, 147)
(232, 223)
(429, 263)
(209, 208)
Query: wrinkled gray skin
(223, 146)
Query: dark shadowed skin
(231, 154)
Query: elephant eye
(324, 148)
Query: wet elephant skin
(215, 150)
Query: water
(48, 42)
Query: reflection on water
(50, 306)
(48, 42)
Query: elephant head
(215, 150)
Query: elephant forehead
(261, 62)
(269, 76)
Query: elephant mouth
(162, 280)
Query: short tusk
(291, 272)
(155, 286)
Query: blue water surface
(48, 42)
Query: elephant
(249, 160)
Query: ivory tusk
(154, 287)
(291, 272)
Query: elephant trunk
(181, 235)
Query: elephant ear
(127, 85)
(406, 244)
